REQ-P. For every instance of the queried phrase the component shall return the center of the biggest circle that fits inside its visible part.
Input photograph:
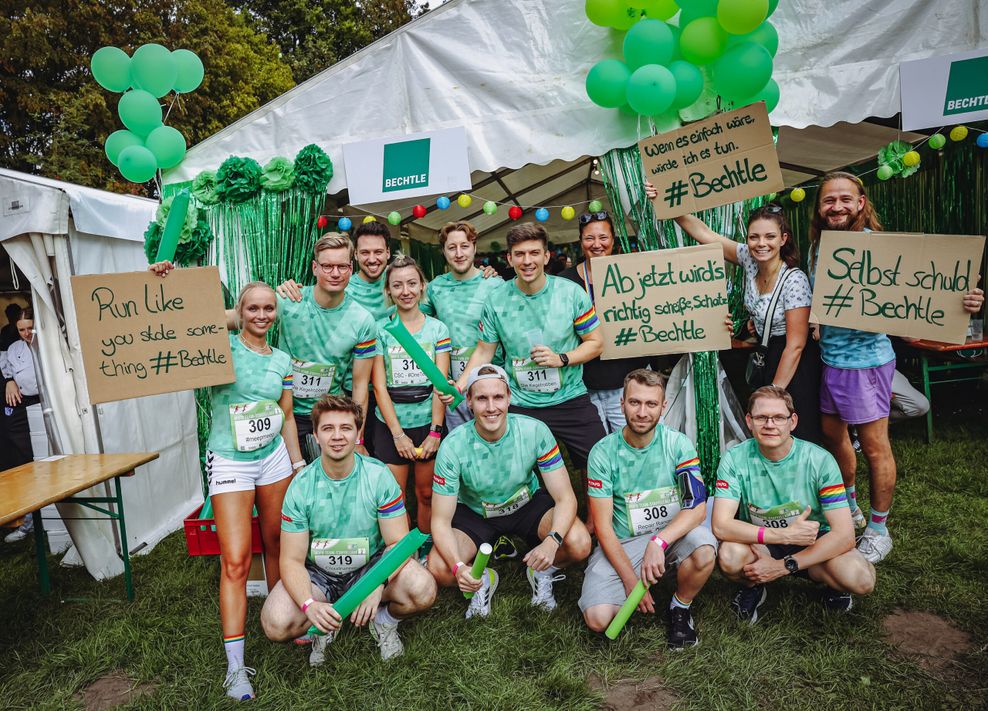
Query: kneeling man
(340, 514)
(485, 486)
(648, 505)
(794, 517)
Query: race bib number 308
(650, 511)
(780, 516)
(255, 424)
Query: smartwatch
(564, 358)
(792, 565)
(438, 429)
(556, 537)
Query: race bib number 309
(255, 424)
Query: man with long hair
(858, 367)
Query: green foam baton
(173, 227)
(624, 614)
(480, 564)
(397, 329)
(381, 571)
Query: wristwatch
(792, 565)
(564, 358)
(556, 537)
(438, 429)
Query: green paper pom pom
(204, 188)
(313, 169)
(937, 141)
(238, 179)
(278, 174)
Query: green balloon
(772, 4)
(676, 34)
(659, 9)
(623, 15)
(885, 172)
(117, 141)
(599, 12)
(490, 207)
(394, 217)
(139, 111)
(111, 68)
(651, 90)
(689, 83)
(594, 206)
(189, 71)
(168, 146)
(741, 16)
(769, 94)
(695, 10)
(937, 141)
(607, 83)
(137, 164)
(648, 42)
(742, 70)
(765, 34)
(702, 41)
(153, 69)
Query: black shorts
(307, 444)
(384, 442)
(575, 423)
(778, 551)
(333, 586)
(523, 523)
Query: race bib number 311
(311, 380)
(255, 424)
(650, 511)
(534, 377)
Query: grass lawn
(795, 657)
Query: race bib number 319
(339, 556)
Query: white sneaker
(542, 588)
(874, 546)
(317, 657)
(858, 518)
(16, 535)
(237, 684)
(387, 639)
(480, 603)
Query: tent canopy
(511, 72)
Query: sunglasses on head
(588, 217)
(771, 209)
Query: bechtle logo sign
(967, 86)
(406, 165)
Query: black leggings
(804, 386)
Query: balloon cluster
(147, 144)
(664, 64)
(901, 159)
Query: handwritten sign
(724, 159)
(900, 284)
(667, 301)
(144, 335)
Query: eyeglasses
(334, 268)
(762, 420)
(587, 217)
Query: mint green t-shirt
(246, 418)
(342, 517)
(557, 316)
(370, 295)
(459, 304)
(495, 478)
(405, 379)
(772, 494)
(322, 344)
(643, 482)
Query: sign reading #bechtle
(666, 301)
(909, 285)
(724, 159)
(386, 169)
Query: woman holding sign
(251, 455)
(777, 296)
(409, 415)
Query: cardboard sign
(397, 168)
(144, 335)
(720, 160)
(942, 91)
(900, 284)
(666, 301)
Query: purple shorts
(857, 395)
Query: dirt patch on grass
(931, 641)
(628, 694)
(114, 689)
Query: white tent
(52, 230)
(511, 72)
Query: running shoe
(837, 601)
(858, 518)
(542, 588)
(874, 546)
(387, 639)
(17, 534)
(317, 657)
(480, 603)
(681, 632)
(747, 601)
(237, 684)
(504, 548)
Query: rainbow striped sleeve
(550, 460)
(392, 508)
(365, 348)
(444, 345)
(690, 465)
(830, 495)
(586, 322)
(286, 381)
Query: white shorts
(227, 475)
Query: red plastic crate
(201, 538)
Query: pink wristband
(436, 435)
(661, 542)
(761, 534)
(305, 605)
(457, 567)
(360, 441)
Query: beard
(842, 222)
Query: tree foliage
(54, 118)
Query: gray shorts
(601, 583)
